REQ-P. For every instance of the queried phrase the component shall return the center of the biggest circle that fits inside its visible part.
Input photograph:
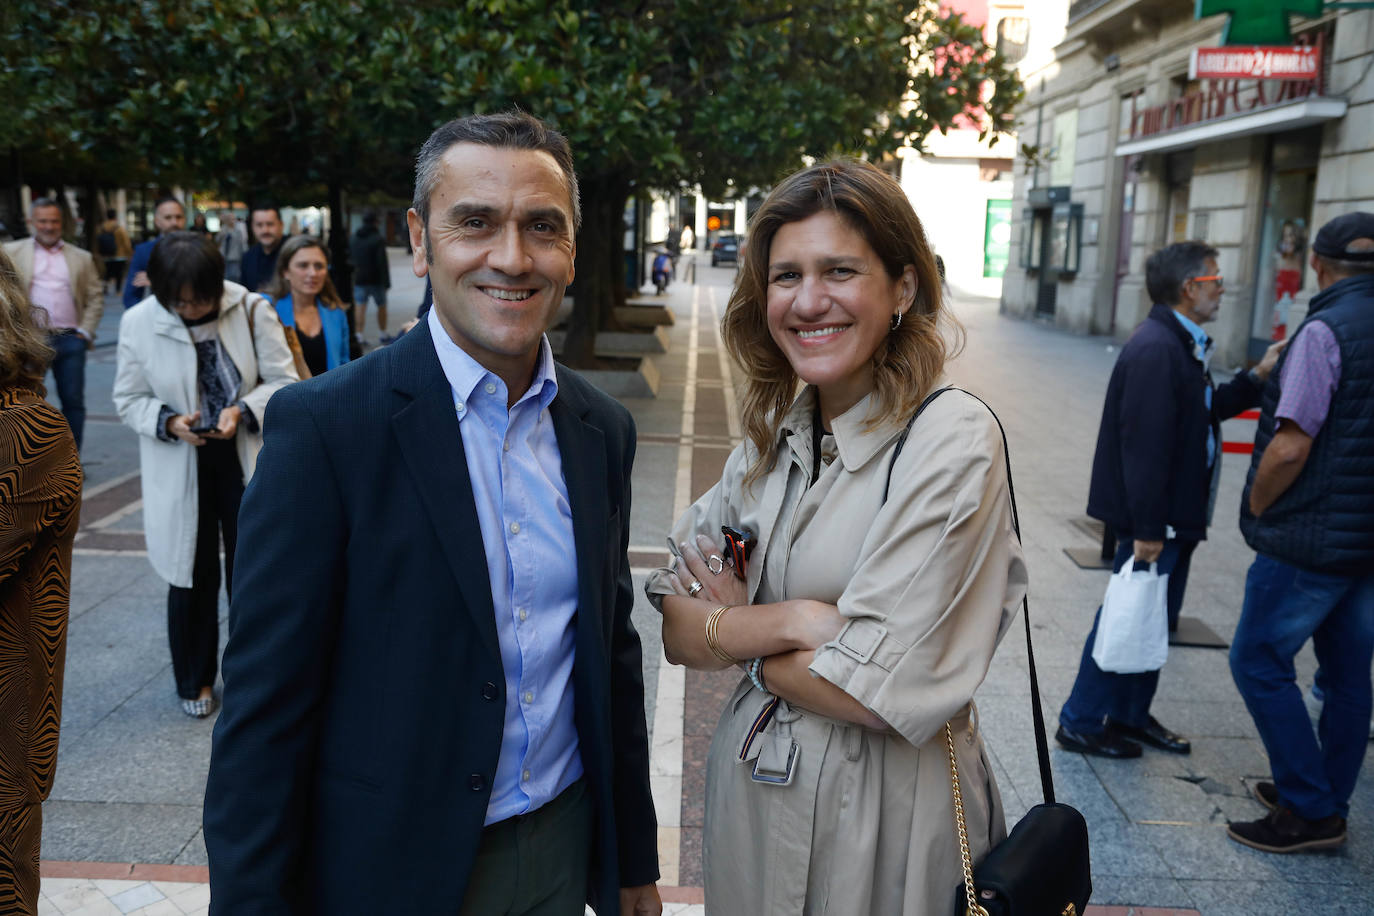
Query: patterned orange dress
(40, 500)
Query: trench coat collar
(857, 441)
(169, 323)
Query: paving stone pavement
(132, 766)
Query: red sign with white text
(1255, 62)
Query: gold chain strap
(973, 907)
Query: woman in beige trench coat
(877, 590)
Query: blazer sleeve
(139, 262)
(1240, 393)
(1147, 419)
(938, 580)
(636, 823)
(283, 617)
(93, 295)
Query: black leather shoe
(1266, 793)
(1153, 734)
(1106, 744)
(1283, 831)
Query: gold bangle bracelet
(713, 635)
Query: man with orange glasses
(1154, 479)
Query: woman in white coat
(878, 586)
(198, 361)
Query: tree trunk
(600, 283)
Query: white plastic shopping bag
(1133, 630)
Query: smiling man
(433, 695)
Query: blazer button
(489, 691)
(476, 782)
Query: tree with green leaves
(293, 96)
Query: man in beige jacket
(61, 280)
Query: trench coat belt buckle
(774, 755)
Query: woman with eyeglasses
(198, 361)
(880, 580)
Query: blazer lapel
(583, 451)
(426, 427)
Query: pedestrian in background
(1154, 479)
(309, 306)
(115, 249)
(371, 275)
(168, 216)
(232, 241)
(259, 264)
(868, 618)
(61, 280)
(40, 499)
(198, 361)
(1308, 511)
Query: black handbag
(1042, 867)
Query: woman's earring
(896, 321)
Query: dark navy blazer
(1150, 469)
(364, 694)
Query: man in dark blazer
(433, 694)
(1154, 479)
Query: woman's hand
(228, 423)
(180, 426)
(706, 564)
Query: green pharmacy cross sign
(1258, 22)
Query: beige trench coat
(930, 580)
(157, 365)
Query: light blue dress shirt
(522, 506)
(1202, 352)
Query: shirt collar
(855, 440)
(39, 246)
(1202, 349)
(464, 373)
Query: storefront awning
(1288, 116)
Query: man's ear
(416, 227)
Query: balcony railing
(1080, 8)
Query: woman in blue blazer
(308, 304)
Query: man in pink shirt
(63, 284)
(1308, 511)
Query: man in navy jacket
(168, 216)
(434, 700)
(1154, 478)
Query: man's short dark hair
(186, 259)
(370, 218)
(39, 202)
(168, 199)
(264, 205)
(1170, 267)
(506, 130)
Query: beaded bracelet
(713, 635)
(756, 674)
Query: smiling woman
(311, 310)
(872, 603)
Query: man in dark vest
(1308, 510)
(1154, 479)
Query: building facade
(1124, 152)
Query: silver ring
(716, 564)
(694, 588)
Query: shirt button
(505, 446)
(490, 388)
(529, 696)
(458, 405)
(524, 613)
(489, 691)
(514, 527)
(476, 782)
(526, 775)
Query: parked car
(725, 248)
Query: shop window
(1066, 239)
(1285, 233)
